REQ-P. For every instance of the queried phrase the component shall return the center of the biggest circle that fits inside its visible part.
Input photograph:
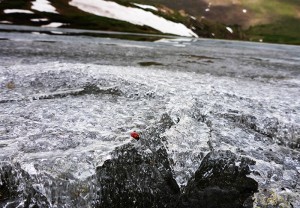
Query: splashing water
(60, 120)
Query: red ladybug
(135, 135)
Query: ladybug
(135, 135)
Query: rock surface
(16, 189)
(139, 175)
(133, 180)
(220, 182)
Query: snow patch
(39, 20)
(229, 29)
(54, 24)
(9, 11)
(43, 6)
(5, 22)
(143, 6)
(133, 15)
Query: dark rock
(135, 180)
(219, 182)
(15, 189)
(150, 63)
(139, 176)
(165, 122)
(89, 89)
(94, 89)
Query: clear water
(222, 95)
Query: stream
(69, 103)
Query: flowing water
(67, 102)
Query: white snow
(229, 29)
(9, 11)
(133, 15)
(143, 6)
(208, 7)
(43, 6)
(39, 20)
(54, 24)
(5, 22)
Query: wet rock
(87, 90)
(151, 137)
(16, 191)
(139, 176)
(150, 63)
(94, 89)
(165, 122)
(133, 179)
(220, 181)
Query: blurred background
(274, 21)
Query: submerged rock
(132, 179)
(135, 180)
(139, 175)
(220, 181)
(16, 189)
